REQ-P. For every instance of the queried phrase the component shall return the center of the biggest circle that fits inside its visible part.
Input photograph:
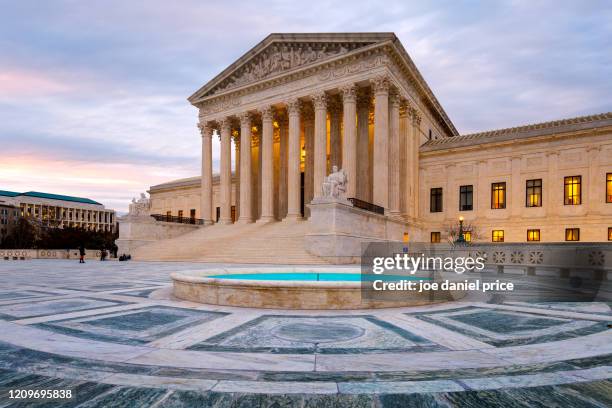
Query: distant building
(54, 210)
(9, 217)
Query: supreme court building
(297, 104)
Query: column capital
(225, 125)
(205, 129)
(267, 113)
(380, 84)
(293, 106)
(319, 100)
(349, 93)
(236, 137)
(394, 99)
(416, 116)
(245, 119)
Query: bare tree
(452, 232)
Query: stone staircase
(269, 243)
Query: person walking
(82, 254)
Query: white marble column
(308, 119)
(381, 142)
(237, 174)
(283, 139)
(335, 137)
(246, 215)
(394, 155)
(364, 186)
(267, 165)
(206, 193)
(349, 140)
(225, 176)
(320, 142)
(416, 137)
(293, 161)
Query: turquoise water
(310, 276)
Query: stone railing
(24, 254)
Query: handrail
(179, 220)
(364, 205)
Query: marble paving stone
(53, 307)
(328, 334)
(408, 387)
(134, 326)
(263, 387)
(79, 314)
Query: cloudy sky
(93, 93)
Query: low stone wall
(135, 232)
(337, 230)
(24, 254)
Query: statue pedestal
(337, 230)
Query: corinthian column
(320, 142)
(226, 171)
(206, 188)
(267, 165)
(236, 138)
(349, 141)
(381, 145)
(246, 215)
(394, 158)
(293, 162)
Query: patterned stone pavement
(112, 334)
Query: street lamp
(460, 239)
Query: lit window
(572, 234)
(534, 193)
(609, 188)
(533, 235)
(573, 193)
(466, 194)
(467, 235)
(498, 236)
(435, 237)
(609, 233)
(435, 202)
(498, 196)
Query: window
(435, 203)
(573, 192)
(498, 196)
(466, 194)
(534, 193)
(533, 235)
(467, 235)
(180, 214)
(233, 213)
(168, 213)
(609, 233)
(192, 213)
(435, 237)
(572, 234)
(498, 236)
(218, 214)
(609, 188)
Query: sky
(93, 93)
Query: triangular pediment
(282, 53)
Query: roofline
(302, 37)
(579, 123)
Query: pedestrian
(82, 254)
(103, 254)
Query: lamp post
(460, 239)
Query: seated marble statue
(140, 207)
(334, 185)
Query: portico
(299, 104)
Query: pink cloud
(22, 83)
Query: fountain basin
(298, 289)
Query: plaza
(113, 333)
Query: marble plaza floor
(112, 334)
